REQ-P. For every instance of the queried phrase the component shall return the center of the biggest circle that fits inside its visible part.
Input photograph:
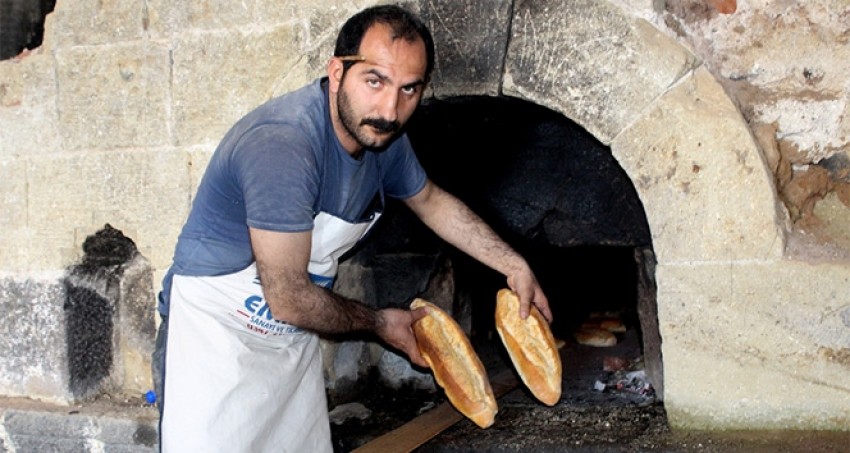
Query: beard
(385, 130)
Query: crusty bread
(610, 323)
(594, 336)
(456, 366)
(599, 331)
(531, 346)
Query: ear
(335, 70)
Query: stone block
(687, 177)
(756, 345)
(114, 96)
(395, 372)
(346, 367)
(32, 338)
(49, 430)
(167, 18)
(835, 220)
(145, 191)
(26, 249)
(590, 61)
(136, 327)
(28, 101)
(729, 396)
(219, 77)
(323, 22)
(470, 53)
(95, 22)
(13, 194)
(276, 12)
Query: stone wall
(113, 119)
(786, 66)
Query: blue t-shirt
(276, 169)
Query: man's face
(376, 97)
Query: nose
(388, 105)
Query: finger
(524, 308)
(542, 304)
(411, 347)
(417, 358)
(412, 350)
(418, 314)
(524, 300)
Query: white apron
(236, 379)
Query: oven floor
(599, 411)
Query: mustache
(381, 124)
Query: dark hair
(403, 23)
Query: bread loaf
(606, 322)
(531, 346)
(599, 331)
(456, 366)
(595, 336)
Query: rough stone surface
(28, 101)
(13, 198)
(26, 427)
(684, 177)
(94, 22)
(395, 372)
(833, 212)
(60, 199)
(591, 62)
(647, 310)
(755, 345)
(470, 39)
(213, 86)
(795, 75)
(789, 76)
(167, 18)
(32, 338)
(136, 326)
(114, 98)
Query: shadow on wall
(22, 25)
(108, 321)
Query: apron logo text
(262, 320)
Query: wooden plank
(425, 427)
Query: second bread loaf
(531, 346)
(456, 366)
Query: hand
(524, 283)
(395, 328)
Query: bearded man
(290, 188)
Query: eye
(409, 91)
(373, 83)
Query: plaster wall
(114, 117)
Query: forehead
(398, 56)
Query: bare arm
(453, 221)
(282, 260)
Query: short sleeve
(277, 171)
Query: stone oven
(547, 186)
(735, 332)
